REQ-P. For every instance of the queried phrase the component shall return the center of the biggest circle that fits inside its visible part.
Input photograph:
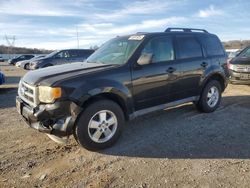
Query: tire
(26, 66)
(96, 131)
(206, 105)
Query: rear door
(74, 56)
(152, 82)
(191, 67)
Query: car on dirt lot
(14, 60)
(2, 59)
(239, 67)
(127, 77)
(2, 78)
(61, 57)
(25, 64)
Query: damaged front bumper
(57, 119)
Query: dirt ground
(178, 147)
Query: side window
(213, 45)
(245, 53)
(74, 53)
(188, 47)
(66, 54)
(59, 55)
(86, 54)
(63, 54)
(161, 48)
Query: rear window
(85, 53)
(188, 47)
(73, 53)
(213, 45)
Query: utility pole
(77, 37)
(11, 43)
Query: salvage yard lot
(178, 147)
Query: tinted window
(22, 57)
(245, 53)
(85, 53)
(161, 49)
(213, 45)
(62, 54)
(188, 47)
(73, 53)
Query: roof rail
(185, 29)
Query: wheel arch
(218, 77)
(109, 96)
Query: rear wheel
(210, 98)
(100, 125)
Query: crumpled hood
(52, 74)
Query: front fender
(103, 86)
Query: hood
(241, 60)
(50, 75)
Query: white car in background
(25, 63)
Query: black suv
(61, 57)
(127, 77)
(14, 60)
(239, 67)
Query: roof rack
(185, 29)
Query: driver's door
(61, 58)
(152, 82)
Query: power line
(10, 43)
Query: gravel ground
(177, 147)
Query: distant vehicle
(127, 77)
(61, 57)
(2, 78)
(239, 67)
(14, 60)
(25, 63)
(1, 59)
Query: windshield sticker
(136, 37)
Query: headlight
(49, 94)
(231, 66)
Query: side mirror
(145, 59)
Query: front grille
(242, 68)
(28, 93)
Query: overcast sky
(52, 24)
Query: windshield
(245, 53)
(116, 51)
(52, 53)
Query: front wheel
(99, 125)
(210, 98)
(26, 66)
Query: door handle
(171, 70)
(204, 64)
